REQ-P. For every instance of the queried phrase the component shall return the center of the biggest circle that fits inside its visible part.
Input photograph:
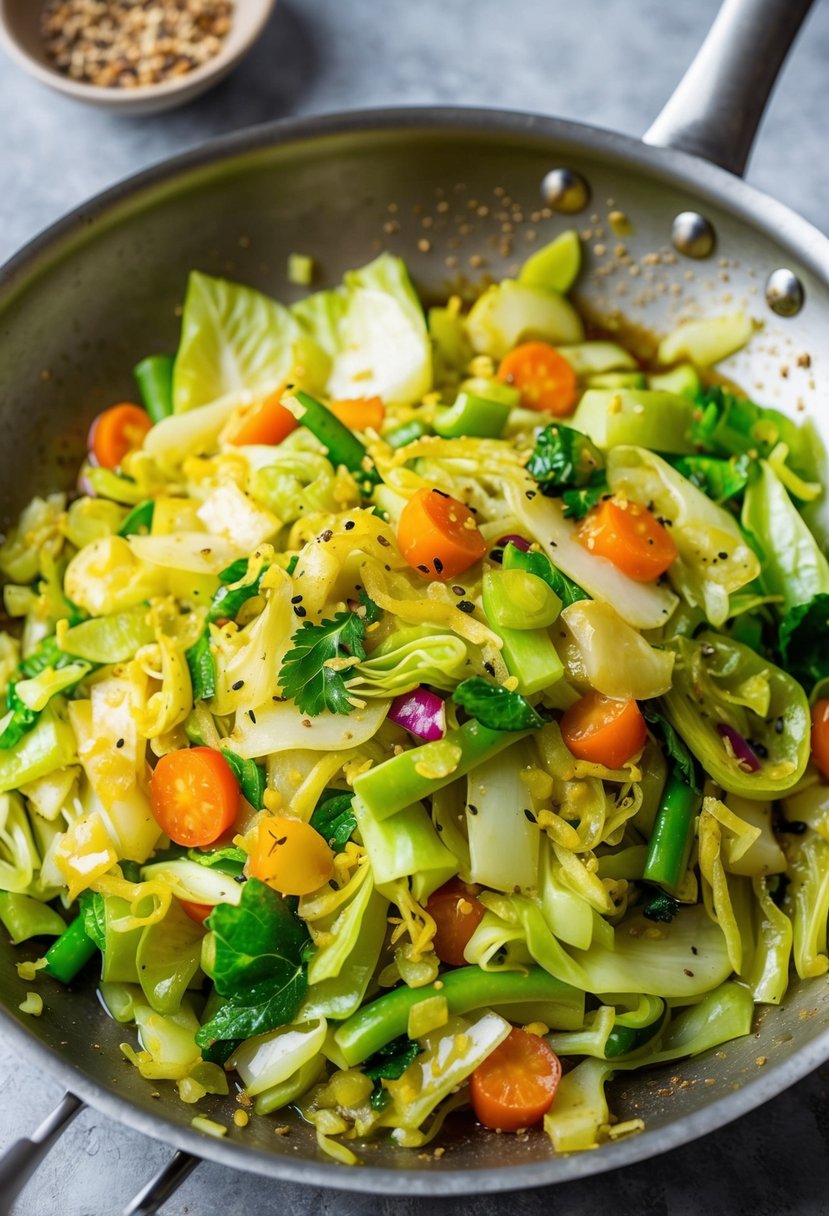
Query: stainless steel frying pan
(670, 231)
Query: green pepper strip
(465, 989)
(71, 952)
(408, 433)
(402, 780)
(24, 917)
(341, 444)
(139, 519)
(155, 382)
(672, 836)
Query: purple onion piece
(512, 538)
(742, 749)
(421, 712)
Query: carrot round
(360, 413)
(267, 422)
(820, 736)
(117, 431)
(515, 1085)
(544, 377)
(602, 730)
(194, 796)
(629, 536)
(438, 535)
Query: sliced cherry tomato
(116, 431)
(197, 912)
(194, 796)
(267, 422)
(602, 730)
(457, 914)
(360, 413)
(515, 1085)
(629, 536)
(545, 378)
(438, 535)
(820, 736)
(290, 856)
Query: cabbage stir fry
(415, 711)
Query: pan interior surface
(458, 195)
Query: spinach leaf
(562, 458)
(804, 640)
(495, 706)
(719, 479)
(202, 668)
(727, 425)
(260, 965)
(228, 600)
(578, 502)
(93, 912)
(673, 746)
(539, 564)
(250, 776)
(388, 1064)
(335, 820)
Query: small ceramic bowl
(20, 36)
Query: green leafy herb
(495, 706)
(392, 1060)
(731, 426)
(228, 600)
(538, 563)
(804, 640)
(578, 502)
(250, 776)
(673, 745)
(235, 571)
(259, 966)
(139, 519)
(93, 912)
(46, 655)
(202, 668)
(335, 820)
(719, 479)
(306, 675)
(563, 458)
(229, 860)
(21, 721)
(661, 907)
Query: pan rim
(704, 181)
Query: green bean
(70, 953)
(341, 444)
(409, 777)
(672, 836)
(465, 989)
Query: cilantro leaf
(250, 776)
(93, 912)
(202, 668)
(579, 501)
(495, 706)
(335, 820)
(562, 458)
(259, 965)
(804, 640)
(304, 674)
(673, 745)
(719, 479)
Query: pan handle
(716, 108)
(22, 1158)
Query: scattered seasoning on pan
(126, 44)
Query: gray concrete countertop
(608, 64)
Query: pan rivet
(784, 292)
(693, 235)
(565, 191)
